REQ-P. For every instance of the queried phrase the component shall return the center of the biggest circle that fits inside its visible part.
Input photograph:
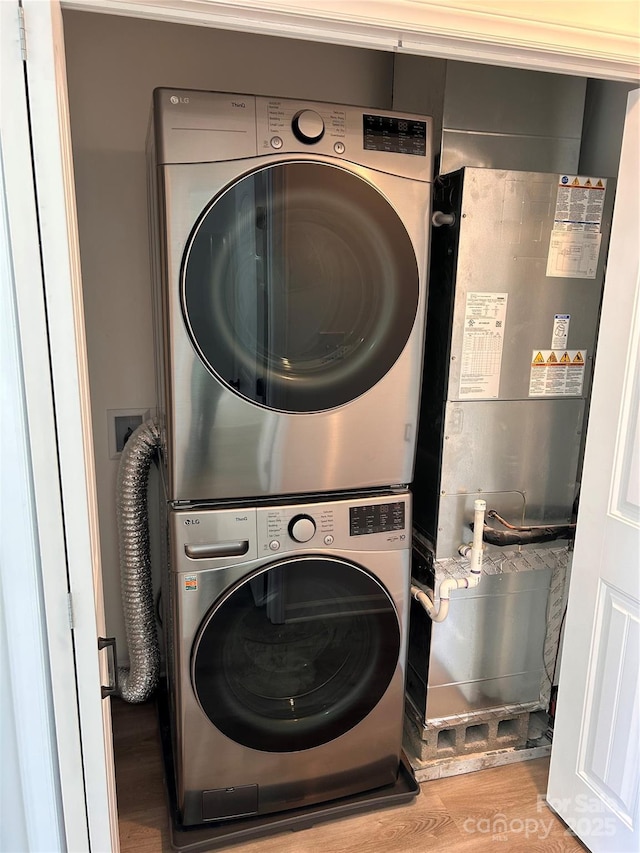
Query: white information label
(574, 247)
(557, 373)
(560, 335)
(573, 254)
(483, 337)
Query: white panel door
(51, 331)
(595, 761)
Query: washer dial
(302, 528)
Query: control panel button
(328, 539)
(274, 545)
(276, 142)
(339, 147)
(302, 528)
(308, 126)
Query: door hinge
(23, 33)
(70, 610)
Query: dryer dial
(308, 126)
(302, 528)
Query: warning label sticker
(482, 341)
(557, 373)
(579, 203)
(191, 582)
(575, 239)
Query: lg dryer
(292, 269)
(286, 634)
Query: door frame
(451, 33)
(600, 45)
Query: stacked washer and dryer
(291, 278)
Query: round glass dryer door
(299, 286)
(296, 655)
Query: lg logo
(176, 100)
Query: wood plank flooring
(482, 812)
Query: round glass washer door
(296, 655)
(299, 286)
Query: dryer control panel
(208, 127)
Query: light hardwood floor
(483, 812)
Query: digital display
(396, 135)
(376, 518)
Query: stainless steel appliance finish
(293, 253)
(521, 452)
(287, 634)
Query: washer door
(296, 655)
(299, 286)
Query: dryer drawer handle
(221, 549)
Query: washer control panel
(376, 518)
(217, 538)
(379, 523)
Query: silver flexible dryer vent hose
(138, 682)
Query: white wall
(113, 65)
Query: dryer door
(299, 286)
(297, 654)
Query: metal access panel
(509, 349)
(503, 663)
(521, 456)
(506, 221)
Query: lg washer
(292, 243)
(286, 631)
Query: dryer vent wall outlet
(122, 423)
(125, 425)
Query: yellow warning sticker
(557, 373)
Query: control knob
(308, 126)
(302, 528)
